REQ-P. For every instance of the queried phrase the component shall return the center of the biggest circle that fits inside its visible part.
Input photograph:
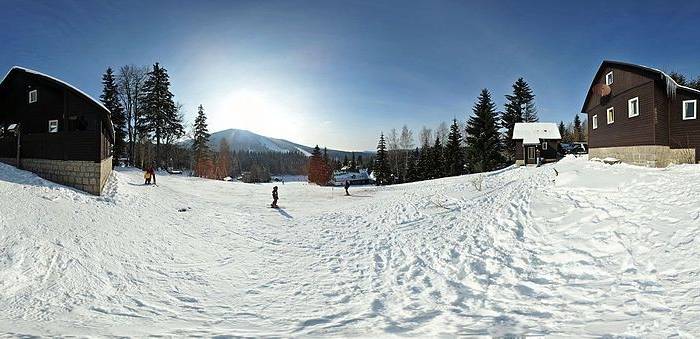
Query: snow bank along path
(596, 250)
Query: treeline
(575, 131)
(483, 143)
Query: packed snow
(595, 250)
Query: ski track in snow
(597, 250)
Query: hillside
(598, 250)
(243, 140)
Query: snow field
(597, 250)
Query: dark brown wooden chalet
(65, 135)
(640, 115)
(536, 140)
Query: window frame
(54, 121)
(611, 77)
(33, 94)
(629, 105)
(607, 115)
(695, 109)
(595, 121)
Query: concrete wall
(88, 176)
(650, 156)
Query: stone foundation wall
(650, 156)
(88, 176)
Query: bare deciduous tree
(130, 84)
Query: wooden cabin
(536, 142)
(640, 115)
(64, 135)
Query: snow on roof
(56, 80)
(532, 132)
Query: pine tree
(159, 108)
(454, 156)
(382, 174)
(353, 163)
(319, 172)
(578, 130)
(483, 141)
(412, 173)
(424, 161)
(200, 145)
(437, 160)
(110, 99)
(520, 107)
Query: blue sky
(337, 73)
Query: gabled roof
(532, 132)
(671, 85)
(64, 84)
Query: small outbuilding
(55, 130)
(536, 140)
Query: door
(531, 155)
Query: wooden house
(640, 115)
(536, 140)
(64, 135)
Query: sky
(337, 73)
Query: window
(609, 78)
(633, 107)
(53, 126)
(611, 115)
(32, 96)
(595, 121)
(690, 109)
(531, 153)
(544, 145)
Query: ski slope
(595, 250)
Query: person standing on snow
(153, 174)
(347, 185)
(147, 177)
(274, 197)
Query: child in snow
(147, 177)
(274, 197)
(347, 185)
(153, 174)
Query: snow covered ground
(597, 250)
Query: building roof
(671, 85)
(65, 84)
(533, 132)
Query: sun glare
(253, 110)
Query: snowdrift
(595, 250)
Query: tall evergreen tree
(200, 144)
(316, 166)
(454, 155)
(483, 140)
(424, 162)
(578, 130)
(160, 112)
(412, 173)
(382, 173)
(437, 160)
(519, 107)
(110, 98)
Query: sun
(251, 109)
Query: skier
(274, 198)
(347, 185)
(147, 177)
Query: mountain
(243, 140)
